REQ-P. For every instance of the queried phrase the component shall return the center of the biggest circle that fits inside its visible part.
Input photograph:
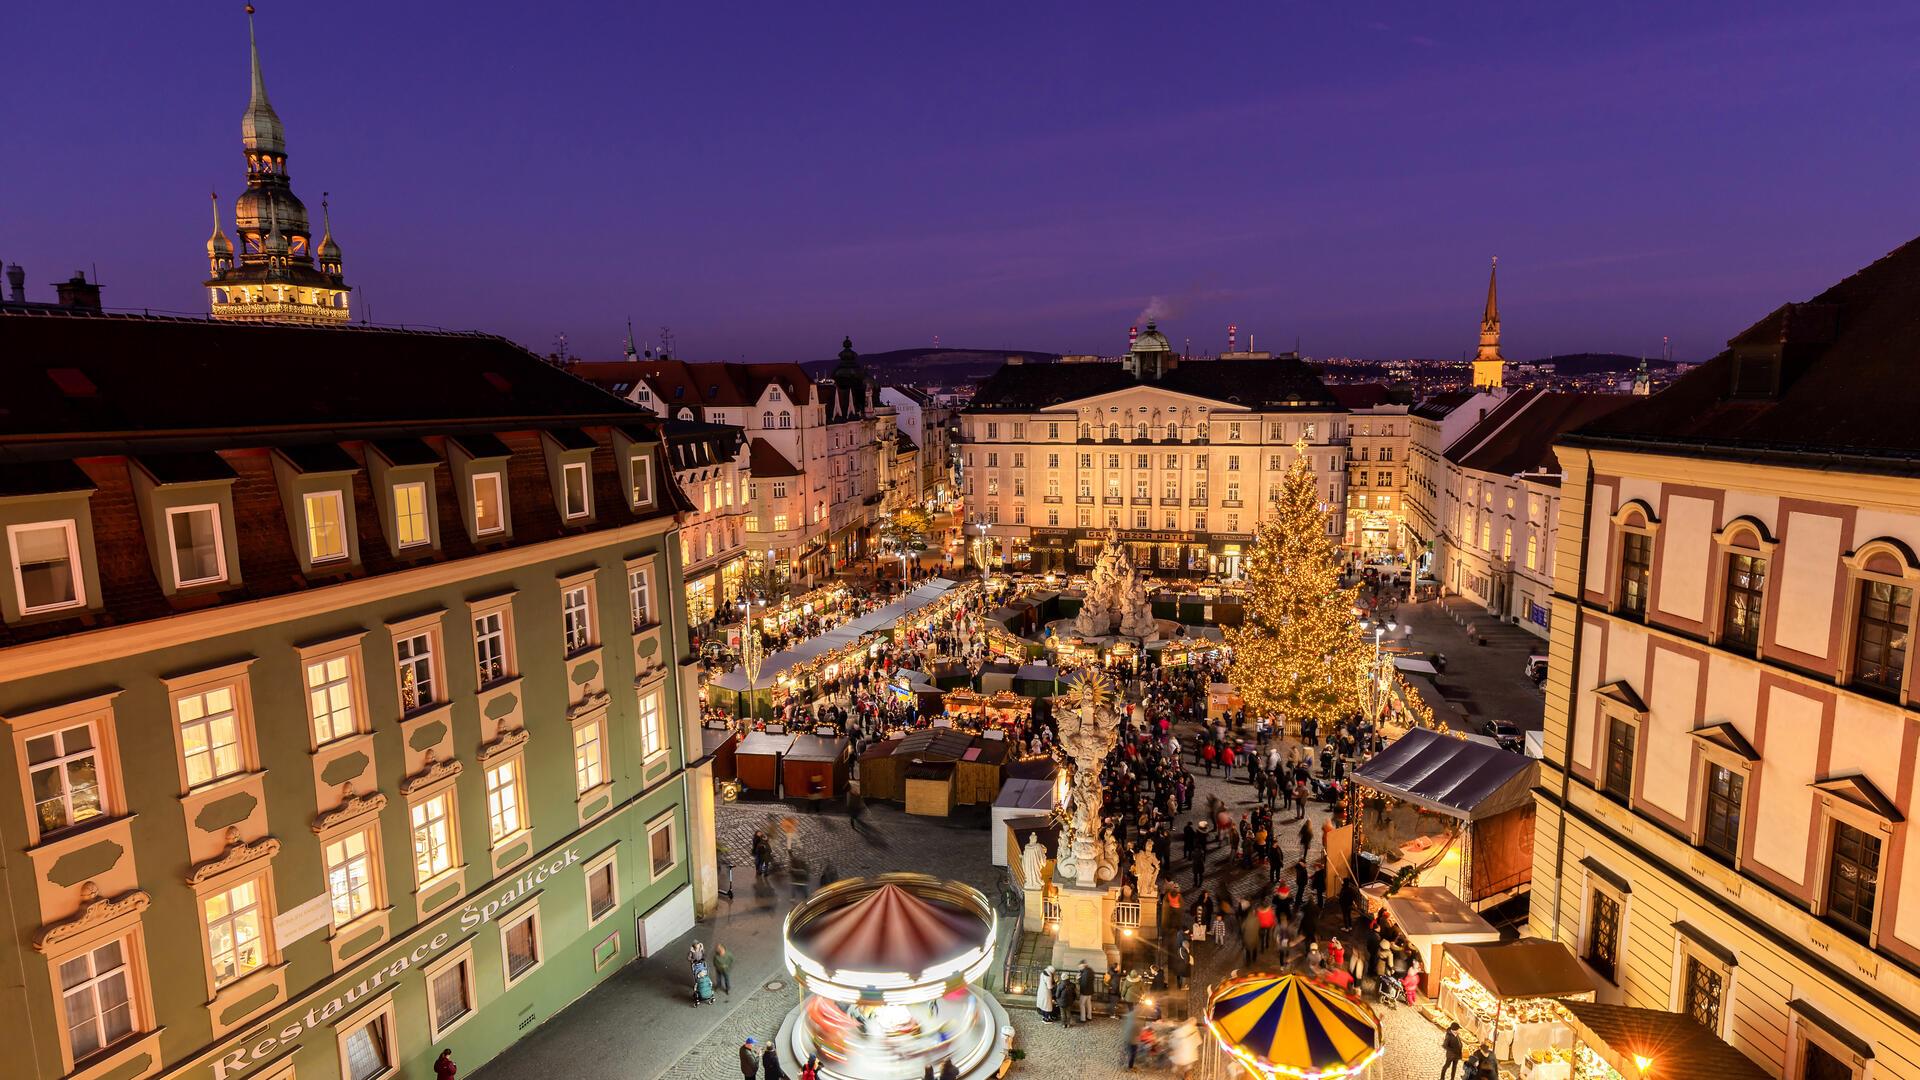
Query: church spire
(260, 128)
(219, 248)
(1488, 365)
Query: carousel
(885, 967)
(1291, 1026)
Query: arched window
(1086, 431)
(1113, 432)
(786, 419)
(1141, 432)
(766, 419)
(1173, 432)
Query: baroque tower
(1489, 365)
(273, 273)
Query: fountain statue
(1116, 599)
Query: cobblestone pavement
(1489, 681)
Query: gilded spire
(1491, 320)
(1488, 364)
(218, 244)
(260, 127)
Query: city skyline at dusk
(763, 181)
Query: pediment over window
(1728, 738)
(1856, 789)
(1618, 691)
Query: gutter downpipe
(1573, 693)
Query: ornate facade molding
(238, 854)
(510, 739)
(352, 806)
(94, 910)
(431, 772)
(595, 699)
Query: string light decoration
(1299, 652)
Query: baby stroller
(702, 984)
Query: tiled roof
(1846, 380)
(1441, 405)
(698, 445)
(764, 460)
(188, 401)
(1360, 395)
(1517, 435)
(1261, 385)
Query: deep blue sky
(765, 177)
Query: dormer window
(642, 481)
(489, 508)
(574, 490)
(46, 566)
(326, 530)
(194, 538)
(410, 515)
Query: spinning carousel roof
(890, 929)
(1291, 1026)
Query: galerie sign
(265, 1044)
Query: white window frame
(426, 521)
(236, 710)
(509, 923)
(346, 683)
(499, 483)
(382, 1014)
(610, 863)
(430, 654)
(497, 807)
(640, 466)
(654, 743)
(663, 822)
(590, 775)
(90, 986)
(418, 820)
(263, 909)
(219, 544)
(502, 637)
(567, 471)
(369, 869)
(460, 960)
(72, 530)
(59, 765)
(583, 612)
(307, 502)
(640, 595)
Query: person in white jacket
(1043, 994)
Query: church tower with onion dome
(271, 271)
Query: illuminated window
(433, 837)
(413, 656)
(63, 768)
(330, 698)
(490, 646)
(46, 566)
(505, 799)
(236, 926)
(209, 735)
(410, 514)
(326, 529)
(642, 470)
(589, 757)
(576, 616)
(640, 594)
(350, 877)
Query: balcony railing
(1126, 915)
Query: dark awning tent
(1449, 775)
(1527, 968)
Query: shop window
(450, 997)
(520, 945)
(662, 850)
(366, 1048)
(603, 887)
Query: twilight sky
(764, 177)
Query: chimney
(79, 293)
(17, 283)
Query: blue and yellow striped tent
(1288, 1025)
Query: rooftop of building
(765, 460)
(1262, 386)
(677, 382)
(1440, 406)
(1827, 379)
(1517, 435)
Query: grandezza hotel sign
(266, 1044)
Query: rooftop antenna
(1666, 349)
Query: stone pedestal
(1083, 928)
(1033, 915)
(1150, 916)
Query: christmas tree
(1299, 653)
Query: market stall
(1019, 800)
(1035, 680)
(929, 787)
(1005, 708)
(1289, 1025)
(963, 707)
(1429, 917)
(879, 772)
(719, 740)
(1452, 812)
(815, 767)
(950, 674)
(1618, 1042)
(978, 773)
(1503, 993)
(757, 760)
(996, 676)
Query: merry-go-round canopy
(1289, 1025)
(889, 932)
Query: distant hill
(1602, 363)
(934, 366)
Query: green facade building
(345, 683)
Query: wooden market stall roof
(1527, 968)
(1674, 1043)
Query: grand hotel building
(1178, 456)
(1732, 757)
